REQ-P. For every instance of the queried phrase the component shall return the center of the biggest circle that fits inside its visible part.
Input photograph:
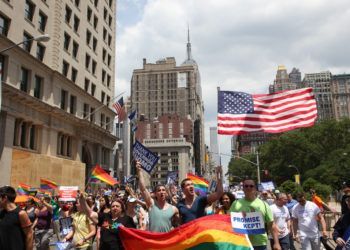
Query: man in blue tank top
(160, 212)
(193, 206)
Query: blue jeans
(284, 242)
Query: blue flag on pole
(133, 120)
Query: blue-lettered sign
(147, 159)
(248, 223)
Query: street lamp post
(41, 38)
(257, 164)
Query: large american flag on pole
(119, 108)
(241, 113)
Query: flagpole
(218, 89)
(102, 106)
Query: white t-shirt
(281, 216)
(306, 216)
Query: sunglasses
(249, 186)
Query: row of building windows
(29, 13)
(25, 83)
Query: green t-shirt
(256, 205)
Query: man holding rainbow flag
(193, 206)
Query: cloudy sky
(238, 44)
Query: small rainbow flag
(47, 184)
(209, 232)
(23, 189)
(100, 174)
(200, 184)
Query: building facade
(165, 88)
(55, 114)
(282, 81)
(340, 89)
(320, 82)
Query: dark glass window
(73, 104)
(42, 20)
(29, 40)
(74, 74)
(75, 49)
(29, 8)
(24, 86)
(66, 41)
(68, 14)
(38, 84)
(40, 51)
(64, 97)
(4, 25)
(76, 23)
(65, 68)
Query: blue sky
(238, 44)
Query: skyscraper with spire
(163, 88)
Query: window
(88, 37)
(77, 2)
(96, 3)
(25, 134)
(65, 68)
(74, 74)
(66, 41)
(103, 76)
(86, 85)
(4, 25)
(68, 14)
(108, 80)
(40, 51)
(94, 44)
(64, 99)
(89, 14)
(109, 40)
(24, 85)
(95, 22)
(76, 23)
(110, 19)
(105, 13)
(64, 145)
(42, 20)
(73, 104)
(93, 89)
(102, 120)
(2, 62)
(107, 123)
(108, 100)
(110, 3)
(86, 110)
(87, 61)
(104, 52)
(29, 9)
(75, 49)
(94, 64)
(103, 94)
(29, 40)
(92, 114)
(38, 84)
(104, 34)
(109, 60)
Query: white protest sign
(67, 193)
(248, 223)
(266, 186)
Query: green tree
(290, 187)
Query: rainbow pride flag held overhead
(47, 184)
(209, 232)
(23, 189)
(200, 184)
(100, 174)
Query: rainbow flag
(208, 232)
(200, 184)
(47, 184)
(100, 174)
(23, 189)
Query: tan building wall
(28, 168)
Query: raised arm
(219, 189)
(144, 192)
(87, 210)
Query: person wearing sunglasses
(251, 203)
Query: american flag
(119, 108)
(241, 113)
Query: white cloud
(237, 44)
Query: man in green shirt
(250, 203)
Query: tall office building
(165, 88)
(56, 96)
(341, 95)
(320, 82)
(282, 81)
(295, 77)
